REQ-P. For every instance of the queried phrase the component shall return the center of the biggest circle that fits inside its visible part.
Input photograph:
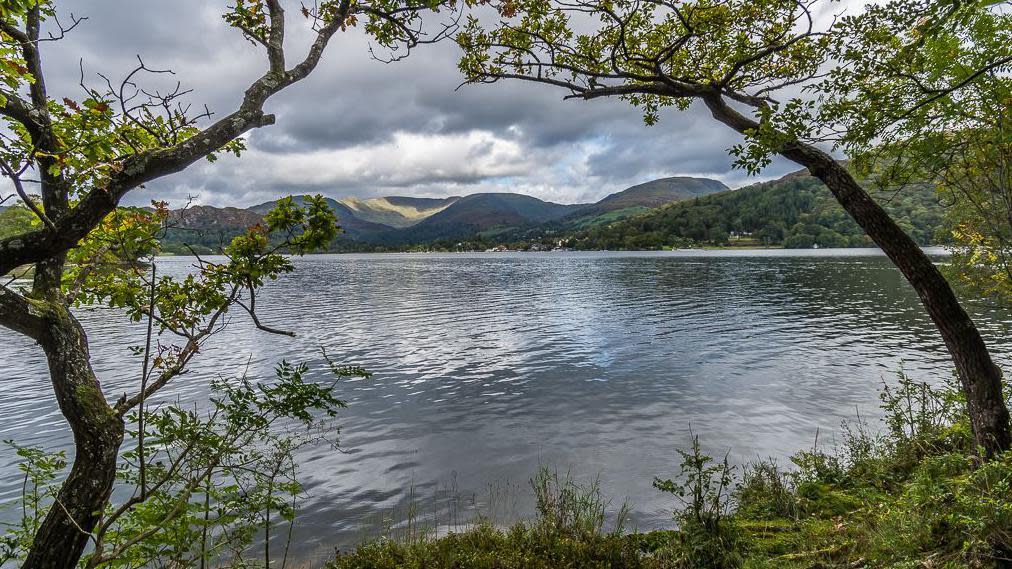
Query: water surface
(489, 365)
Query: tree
(85, 156)
(922, 92)
(945, 118)
(206, 483)
(733, 56)
(978, 181)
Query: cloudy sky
(358, 127)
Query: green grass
(521, 547)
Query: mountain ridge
(796, 210)
(485, 211)
(401, 220)
(659, 192)
(397, 211)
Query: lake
(490, 365)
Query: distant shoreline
(935, 250)
(827, 251)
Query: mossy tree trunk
(44, 316)
(98, 434)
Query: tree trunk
(98, 434)
(980, 377)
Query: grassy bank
(907, 493)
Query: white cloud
(406, 159)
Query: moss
(825, 500)
(773, 537)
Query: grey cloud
(568, 150)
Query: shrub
(914, 494)
(40, 470)
(205, 484)
(911, 495)
(708, 538)
(963, 507)
(983, 510)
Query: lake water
(489, 365)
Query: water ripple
(488, 365)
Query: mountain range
(794, 211)
(397, 221)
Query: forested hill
(796, 211)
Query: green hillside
(657, 193)
(796, 211)
(15, 220)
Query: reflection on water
(488, 365)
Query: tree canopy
(747, 61)
(923, 91)
(82, 153)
